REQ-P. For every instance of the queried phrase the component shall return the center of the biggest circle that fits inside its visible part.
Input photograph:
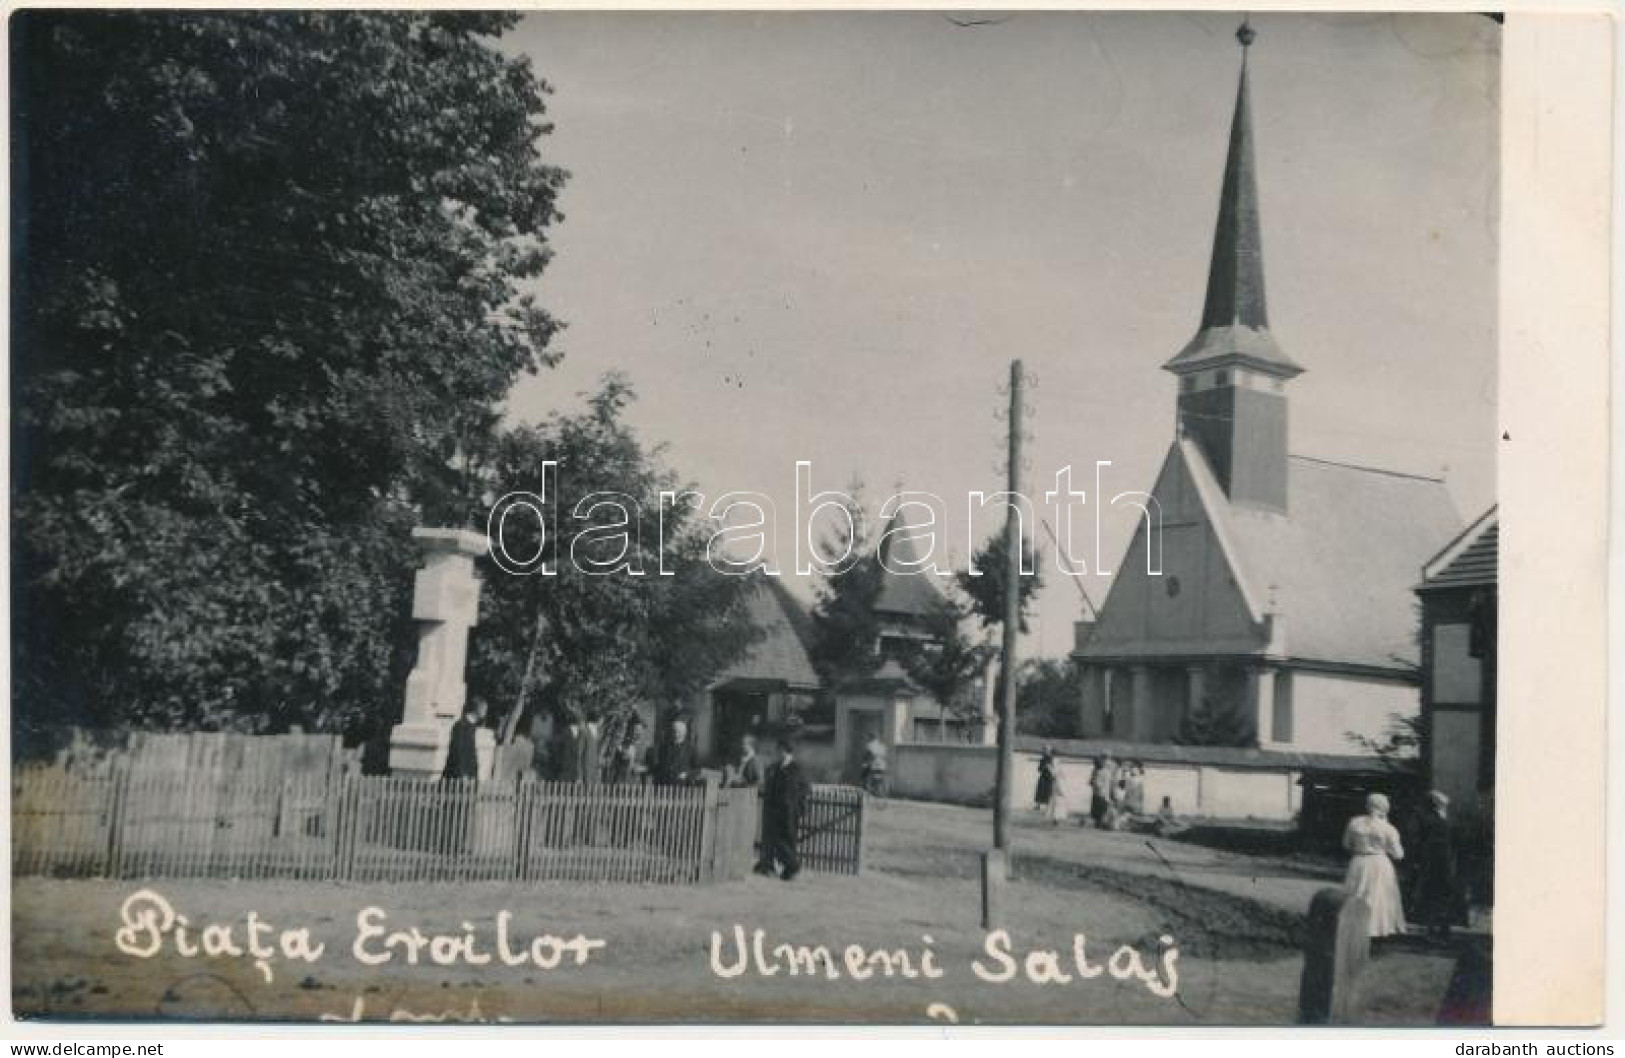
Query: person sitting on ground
(1132, 805)
(1167, 824)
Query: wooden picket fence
(136, 824)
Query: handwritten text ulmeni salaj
(752, 952)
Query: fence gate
(831, 834)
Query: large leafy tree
(638, 608)
(270, 278)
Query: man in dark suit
(673, 762)
(462, 755)
(462, 762)
(1437, 902)
(783, 797)
(567, 749)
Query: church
(1282, 616)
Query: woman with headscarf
(1046, 780)
(1373, 845)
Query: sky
(824, 236)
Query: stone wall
(961, 774)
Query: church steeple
(1235, 279)
(1232, 373)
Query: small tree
(1048, 693)
(1401, 746)
(986, 590)
(950, 664)
(845, 628)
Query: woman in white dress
(1373, 845)
(1057, 809)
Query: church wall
(1168, 696)
(1193, 604)
(1226, 689)
(1325, 707)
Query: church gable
(1196, 605)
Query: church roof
(1235, 319)
(780, 655)
(1337, 569)
(1471, 560)
(907, 594)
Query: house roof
(890, 678)
(1337, 569)
(780, 655)
(799, 616)
(910, 594)
(1471, 560)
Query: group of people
(1116, 796)
(1374, 847)
(784, 800)
(582, 751)
(591, 752)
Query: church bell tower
(1232, 375)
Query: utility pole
(996, 863)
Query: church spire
(1235, 279)
(1232, 375)
(1235, 322)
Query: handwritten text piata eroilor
(151, 926)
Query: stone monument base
(418, 749)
